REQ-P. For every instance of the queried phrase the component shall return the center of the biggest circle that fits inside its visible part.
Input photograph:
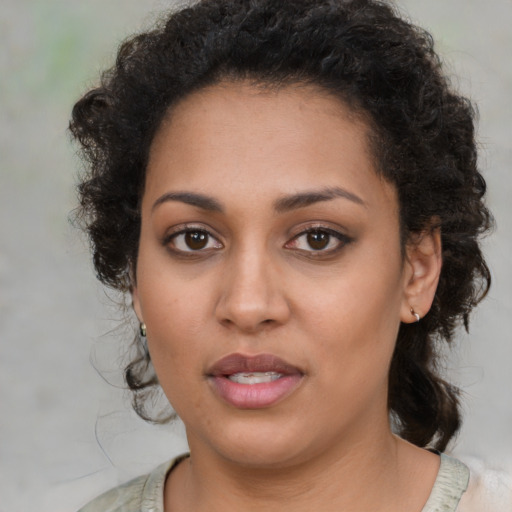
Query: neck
(365, 473)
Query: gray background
(65, 433)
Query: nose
(252, 294)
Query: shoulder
(470, 486)
(490, 488)
(451, 483)
(142, 494)
(125, 498)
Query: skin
(257, 286)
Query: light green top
(146, 493)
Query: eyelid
(308, 227)
(189, 226)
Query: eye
(318, 240)
(193, 240)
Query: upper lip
(239, 363)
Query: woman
(289, 193)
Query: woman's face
(270, 276)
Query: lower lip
(255, 396)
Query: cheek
(354, 319)
(359, 301)
(174, 340)
(175, 324)
(174, 316)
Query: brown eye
(196, 240)
(193, 240)
(318, 240)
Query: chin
(263, 456)
(258, 444)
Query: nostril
(247, 324)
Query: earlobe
(423, 268)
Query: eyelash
(170, 241)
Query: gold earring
(143, 340)
(415, 315)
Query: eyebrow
(281, 205)
(303, 199)
(200, 200)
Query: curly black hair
(382, 67)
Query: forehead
(266, 140)
(275, 107)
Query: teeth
(254, 377)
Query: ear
(422, 270)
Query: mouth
(253, 382)
(251, 378)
